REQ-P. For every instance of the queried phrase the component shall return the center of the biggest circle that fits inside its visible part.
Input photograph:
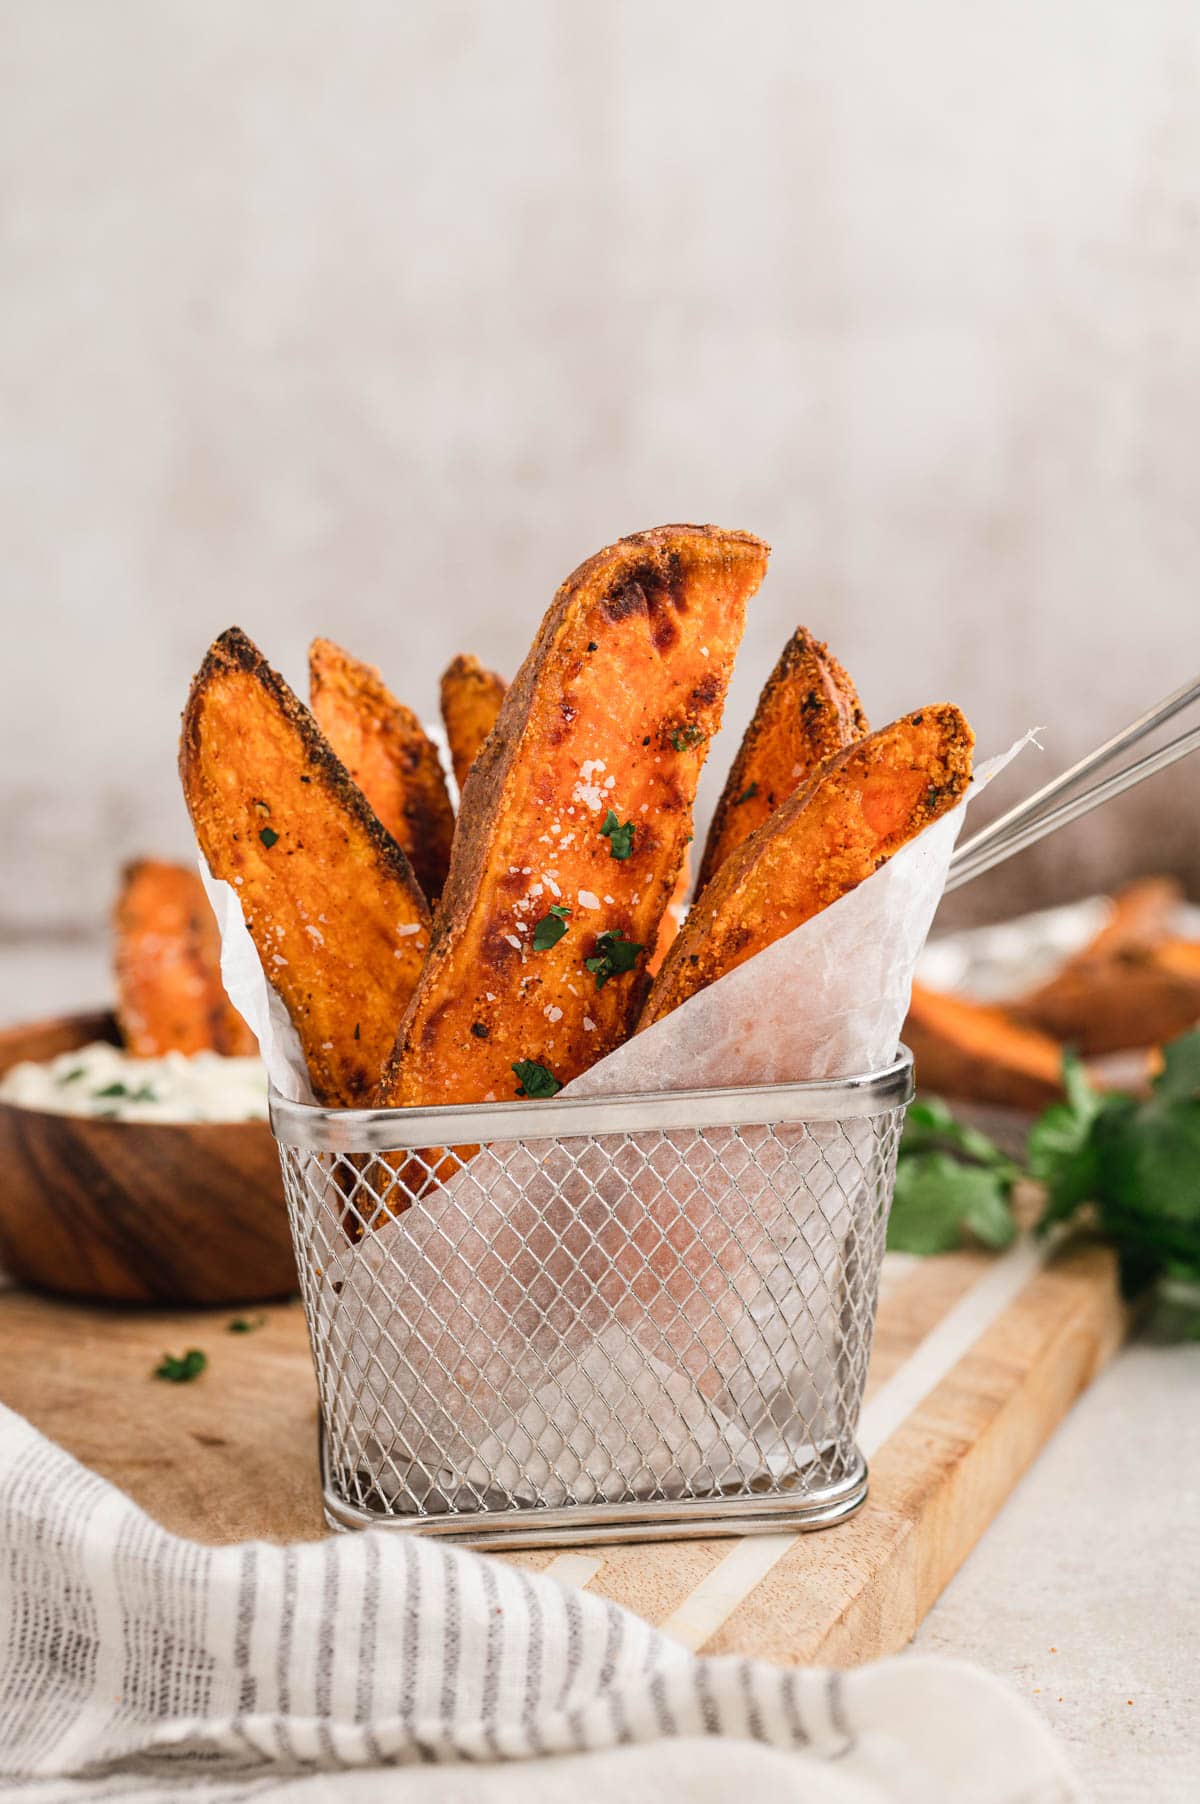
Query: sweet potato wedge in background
(1141, 916)
(167, 962)
(1138, 998)
(852, 815)
(471, 698)
(389, 755)
(970, 1051)
(1110, 996)
(808, 710)
(575, 820)
(328, 896)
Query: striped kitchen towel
(135, 1665)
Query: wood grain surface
(134, 1211)
(233, 1455)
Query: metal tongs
(1056, 805)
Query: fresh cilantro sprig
(1133, 1163)
(952, 1184)
(1136, 1162)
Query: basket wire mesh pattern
(594, 1320)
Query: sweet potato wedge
(674, 916)
(1142, 997)
(1141, 917)
(973, 1052)
(575, 819)
(471, 698)
(328, 896)
(808, 710)
(389, 755)
(167, 962)
(855, 811)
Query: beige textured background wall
(376, 318)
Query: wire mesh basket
(590, 1320)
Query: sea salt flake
(586, 899)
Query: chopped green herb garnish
(72, 1076)
(535, 1080)
(620, 838)
(746, 795)
(550, 929)
(178, 1369)
(143, 1093)
(614, 955)
(246, 1324)
(268, 836)
(116, 1089)
(683, 737)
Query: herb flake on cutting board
(182, 1368)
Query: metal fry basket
(594, 1320)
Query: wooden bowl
(134, 1211)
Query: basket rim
(311, 1127)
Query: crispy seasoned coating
(1142, 997)
(389, 755)
(471, 698)
(329, 898)
(853, 814)
(581, 801)
(973, 1052)
(808, 710)
(167, 962)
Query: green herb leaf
(938, 1199)
(115, 1089)
(1060, 1151)
(268, 836)
(247, 1324)
(73, 1076)
(181, 1369)
(746, 795)
(535, 1079)
(1179, 1079)
(550, 929)
(685, 736)
(929, 1123)
(614, 955)
(620, 838)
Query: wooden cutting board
(977, 1359)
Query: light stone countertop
(1085, 1592)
